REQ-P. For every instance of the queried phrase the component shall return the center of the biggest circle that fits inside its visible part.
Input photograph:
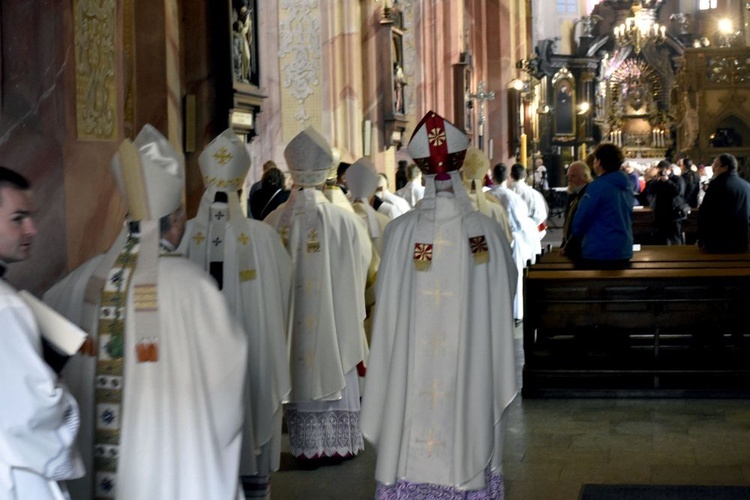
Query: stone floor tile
(534, 490)
(698, 474)
(564, 455)
(532, 472)
(610, 473)
(654, 457)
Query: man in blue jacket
(603, 221)
(725, 212)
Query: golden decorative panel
(96, 97)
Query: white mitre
(309, 158)
(473, 171)
(224, 163)
(362, 180)
(335, 160)
(150, 174)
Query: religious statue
(690, 121)
(236, 47)
(399, 82)
(564, 117)
(683, 22)
(242, 36)
(588, 23)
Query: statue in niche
(237, 45)
(637, 94)
(399, 82)
(399, 78)
(690, 121)
(564, 112)
(588, 23)
(243, 40)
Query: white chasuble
(256, 278)
(331, 252)
(437, 312)
(442, 366)
(181, 416)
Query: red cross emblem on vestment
(478, 245)
(423, 252)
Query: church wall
(319, 67)
(74, 191)
(343, 63)
(269, 145)
(500, 71)
(300, 62)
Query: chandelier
(639, 29)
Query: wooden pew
(674, 324)
(644, 230)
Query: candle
(583, 151)
(524, 160)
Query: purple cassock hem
(324, 434)
(405, 490)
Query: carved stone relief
(95, 22)
(299, 52)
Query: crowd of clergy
(352, 312)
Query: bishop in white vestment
(161, 384)
(441, 368)
(331, 252)
(255, 273)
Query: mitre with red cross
(437, 145)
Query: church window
(706, 4)
(569, 6)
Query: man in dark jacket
(725, 213)
(667, 190)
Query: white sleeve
(38, 417)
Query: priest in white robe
(331, 189)
(473, 171)
(522, 225)
(331, 252)
(362, 180)
(254, 271)
(442, 367)
(39, 418)
(163, 376)
(413, 192)
(534, 200)
(399, 205)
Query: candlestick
(524, 160)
